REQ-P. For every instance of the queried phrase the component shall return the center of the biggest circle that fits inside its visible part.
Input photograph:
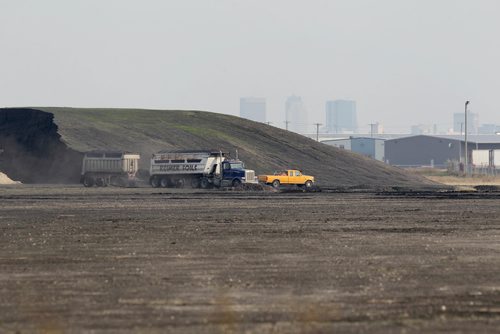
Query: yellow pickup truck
(290, 176)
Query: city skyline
(376, 127)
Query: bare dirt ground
(466, 181)
(143, 260)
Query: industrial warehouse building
(367, 146)
(416, 151)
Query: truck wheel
(100, 182)
(276, 184)
(164, 182)
(155, 182)
(308, 184)
(236, 183)
(180, 183)
(195, 183)
(204, 183)
(88, 181)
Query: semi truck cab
(234, 173)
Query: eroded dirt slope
(31, 149)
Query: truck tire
(236, 183)
(308, 184)
(195, 183)
(100, 182)
(179, 183)
(164, 182)
(276, 184)
(155, 182)
(88, 181)
(204, 183)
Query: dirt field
(466, 181)
(143, 260)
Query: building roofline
(475, 139)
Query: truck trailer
(198, 169)
(103, 168)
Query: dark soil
(142, 260)
(31, 149)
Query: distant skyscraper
(459, 122)
(253, 108)
(296, 115)
(376, 129)
(341, 116)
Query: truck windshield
(237, 165)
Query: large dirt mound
(262, 147)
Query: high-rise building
(296, 115)
(253, 108)
(341, 116)
(459, 122)
(376, 129)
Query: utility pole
(317, 130)
(286, 125)
(460, 145)
(371, 128)
(466, 151)
(460, 151)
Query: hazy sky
(403, 61)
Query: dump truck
(287, 177)
(101, 168)
(198, 169)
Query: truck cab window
(237, 165)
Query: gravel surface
(142, 260)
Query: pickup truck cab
(290, 176)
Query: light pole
(466, 151)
